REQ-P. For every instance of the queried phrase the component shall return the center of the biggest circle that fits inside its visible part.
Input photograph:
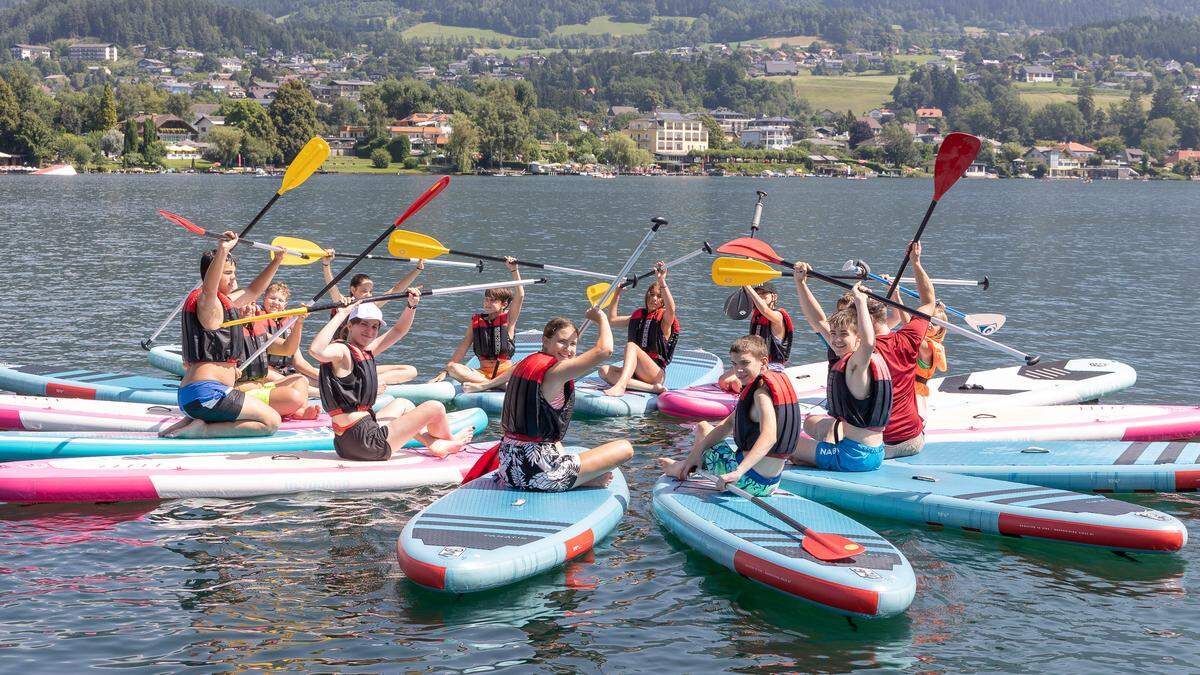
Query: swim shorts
(363, 441)
(721, 459)
(848, 455)
(535, 465)
(211, 401)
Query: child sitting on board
(765, 425)
(931, 358)
(490, 334)
(653, 332)
(771, 323)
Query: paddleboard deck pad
(743, 537)
(239, 475)
(69, 382)
(1100, 422)
(32, 445)
(484, 535)
(1082, 466)
(40, 413)
(1049, 383)
(917, 495)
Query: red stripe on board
(69, 391)
(820, 591)
(109, 489)
(1096, 535)
(1187, 480)
(580, 543)
(421, 572)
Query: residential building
(170, 129)
(340, 146)
(56, 81)
(93, 51)
(873, 124)
(198, 110)
(22, 52)
(623, 110)
(354, 131)
(731, 121)
(153, 66)
(349, 88)
(766, 138)
(668, 134)
(780, 68)
(1180, 155)
(188, 53)
(176, 87)
(1035, 74)
(929, 113)
(425, 73)
(207, 123)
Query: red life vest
(281, 362)
(357, 390)
(645, 331)
(222, 345)
(778, 350)
(257, 334)
(489, 337)
(871, 413)
(526, 415)
(788, 421)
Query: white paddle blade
(985, 324)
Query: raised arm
(404, 283)
(613, 318)
(246, 296)
(924, 283)
(857, 374)
(813, 314)
(208, 306)
(668, 318)
(322, 348)
(327, 273)
(400, 328)
(585, 363)
(292, 343)
(773, 315)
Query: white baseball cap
(366, 311)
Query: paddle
(406, 244)
(596, 291)
(757, 214)
(656, 223)
(742, 272)
(302, 310)
(986, 324)
(312, 155)
(820, 545)
(418, 204)
(305, 252)
(290, 254)
(954, 156)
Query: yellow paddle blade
(308, 160)
(311, 251)
(295, 311)
(408, 244)
(742, 272)
(597, 291)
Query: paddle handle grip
(758, 207)
(913, 294)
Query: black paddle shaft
(908, 249)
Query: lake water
(310, 582)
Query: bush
(398, 148)
(411, 162)
(380, 159)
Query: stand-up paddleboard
(688, 368)
(484, 535)
(31, 445)
(1099, 422)
(169, 358)
(917, 495)
(1083, 466)
(41, 413)
(65, 381)
(745, 538)
(125, 478)
(1051, 383)
(525, 342)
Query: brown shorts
(366, 441)
(907, 448)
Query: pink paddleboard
(238, 475)
(39, 413)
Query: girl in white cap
(349, 383)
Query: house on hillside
(92, 51)
(929, 113)
(1035, 74)
(170, 129)
(348, 88)
(766, 137)
(425, 73)
(731, 121)
(668, 134)
(1181, 155)
(206, 123)
(23, 52)
(780, 68)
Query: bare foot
(442, 447)
(599, 481)
(310, 412)
(664, 463)
(658, 388)
(194, 429)
(615, 390)
(174, 429)
(472, 387)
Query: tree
(1188, 120)
(1166, 101)
(380, 159)
(178, 105)
(1110, 146)
(859, 131)
(1159, 137)
(73, 149)
(34, 138)
(1086, 102)
(503, 127)
(1130, 118)
(557, 153)
(225, 143)
(256, 151)
(716, 135)
(110, 143)
(463, 143)
(1010, 152)
(10, 115)
(398, 148)
(978, 119)
(620, 150)
(249, 116)
(898, 145)
(294, 113)
(131, 142)
(152, 148)
(1058, 121)
(106, 113)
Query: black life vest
(526, 415)
(222, 345)
(489, 337)
(871, 413)
(778, 350)
(788, 421)
(357, 390)
(257, 334)
(280, 362)
(645, 331)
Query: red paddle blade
(750, 248)
(488, 462)
(954, 157)
(829, 547)
(182, 222)
(433, 191)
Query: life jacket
(489, 337)
(281, 362)
(788, 420)
(778, 350)
(527, 415)
(925, 372)
(871, 413)
(645, 331)
(222, 345)
(355, 391)
(257, 334)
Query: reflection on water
(309, 582)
